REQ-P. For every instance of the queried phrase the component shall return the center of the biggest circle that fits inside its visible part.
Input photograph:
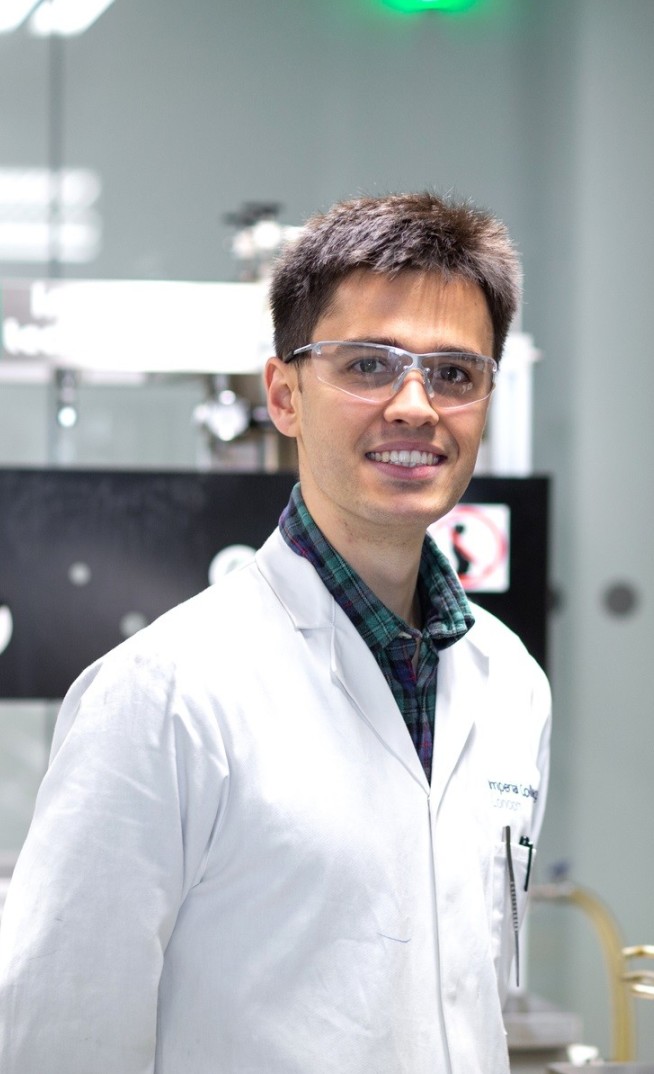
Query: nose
(411, 404)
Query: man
(268, 842)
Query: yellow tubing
(622, 1017)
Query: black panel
(146, 540)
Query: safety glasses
(374, 372)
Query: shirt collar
(445, 608)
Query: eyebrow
(391, 341)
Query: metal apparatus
(640, 982)
(72, 334)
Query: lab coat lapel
(311, 607)
(462, 682)
(359, 674)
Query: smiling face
(361, 477)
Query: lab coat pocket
(512, 864)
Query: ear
(280, 379)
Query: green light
(451, 6)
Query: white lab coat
(237, 866)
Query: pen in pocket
(506, 832)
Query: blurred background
(127, 152)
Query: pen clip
(525, 842)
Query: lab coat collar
(310, 605)
(296, 583)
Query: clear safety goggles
(374, 372)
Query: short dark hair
(389, 234)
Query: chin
(413, 515)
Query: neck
(387, 562)
(392, 579)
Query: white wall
(612, 733)
(543, 111)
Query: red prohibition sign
(500, 539)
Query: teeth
(405, 458)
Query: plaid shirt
(392, 642)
